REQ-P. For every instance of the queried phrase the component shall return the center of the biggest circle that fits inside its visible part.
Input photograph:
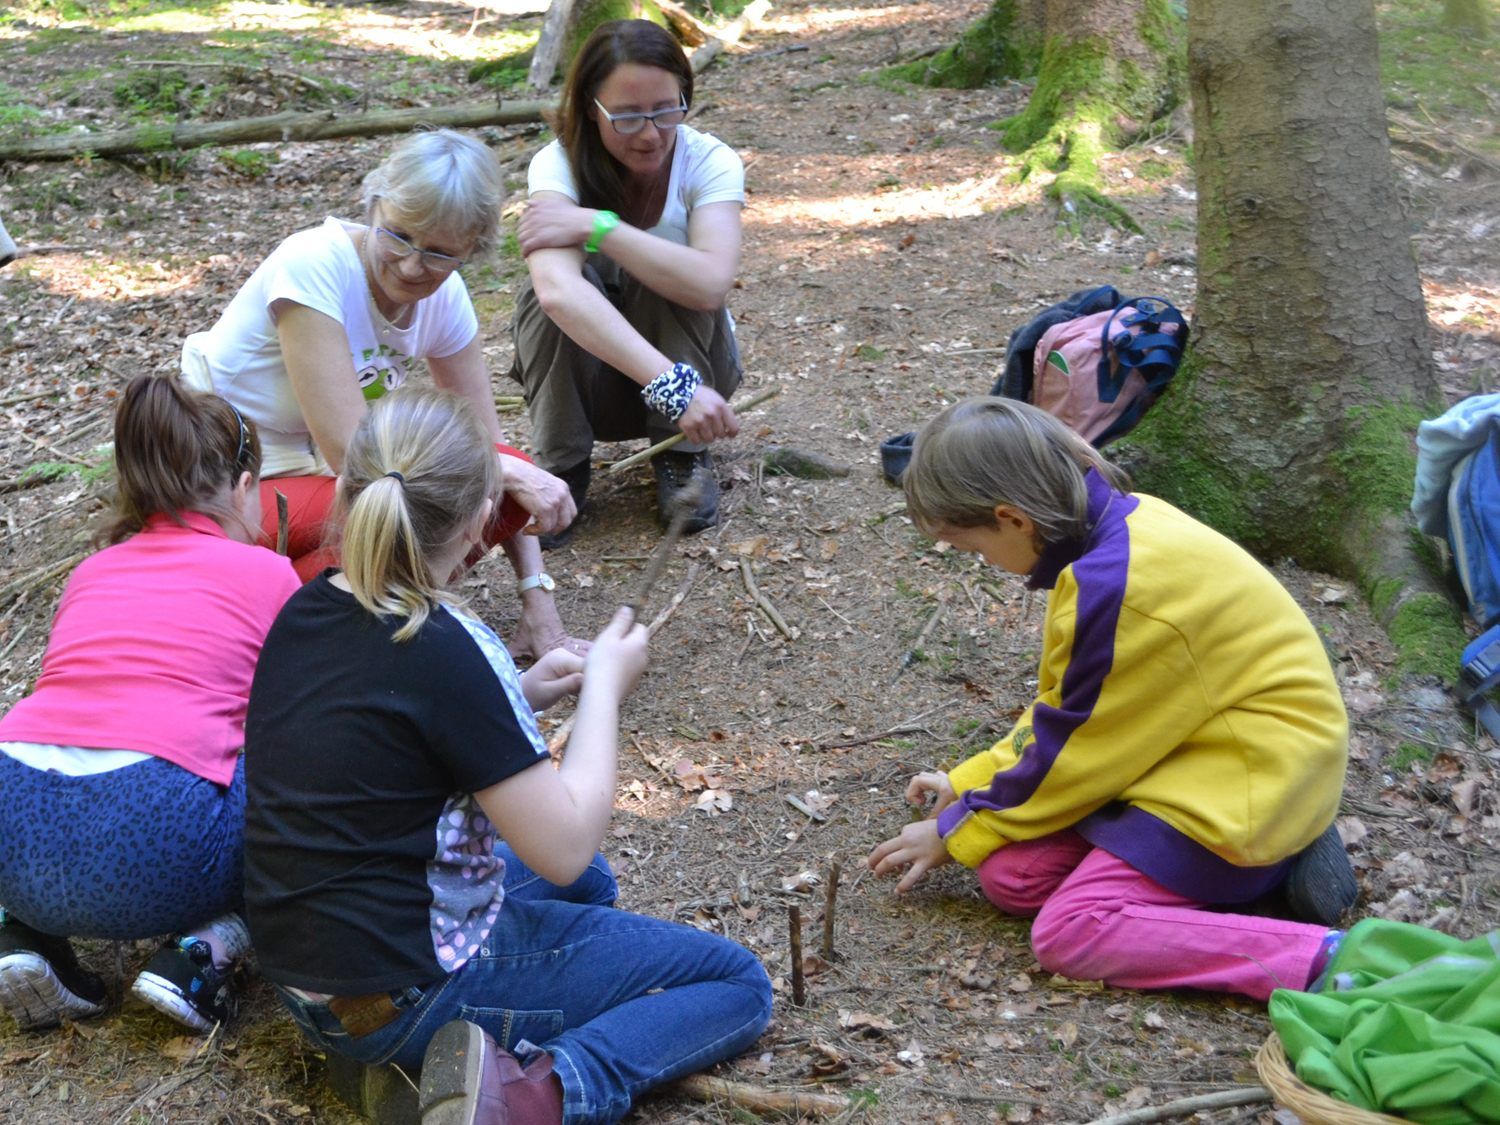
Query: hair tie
(398, 476)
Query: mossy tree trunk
(1469, 16)
(1005, 42)
(589, 14)
(1290, 426)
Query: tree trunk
(549, 45)
(1006, 42)
(1109, 68)
(589, 14)
(1468, 16)
(1289, 427)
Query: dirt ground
(887, 258)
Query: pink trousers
(1098, 918)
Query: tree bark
(1109, 68)
(549, 45)
(276, 127)
(1006, 42)
(1289, 427)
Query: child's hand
(932, 785)
(558, 672)
(919, 847)
(618, 657)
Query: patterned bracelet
(671, 391)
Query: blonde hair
(983, 452)
(441, 178)
(418, 468)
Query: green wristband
(604, 222)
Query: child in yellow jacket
(1187, 744)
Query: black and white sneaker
(182, 981)
(41, 982)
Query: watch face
(545, 582)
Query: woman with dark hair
(631, 234)
(124, 787)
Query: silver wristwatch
(542, 581)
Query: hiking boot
(675, 474)
(1321, 886)
(468, 1080)
(182, 981)
(577, 479)
(41, 982)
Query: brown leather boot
(468, 1080)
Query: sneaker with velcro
(182, 981)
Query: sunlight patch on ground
(103, 279)
(244, 15)
(1463, 308)
(962, 199)
(830, 19)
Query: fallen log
(289, 126)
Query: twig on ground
(911, 654)
(16, 400)
(677, 599)
(1183, 1107)
(762, 602)
(760, 1099)
(799, 982)
(804, 808)
(679, 438)
(37, 578)
(830, 900)
(14, 641)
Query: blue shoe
(41, 982)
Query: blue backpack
(1458, 497)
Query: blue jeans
(622, 1002)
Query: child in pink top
(123, 807)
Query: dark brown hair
(597, 175)
(176, 451)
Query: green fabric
(1407, 1023)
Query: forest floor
(887, 258)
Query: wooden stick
(37, 578)
(1183, 1107)
(686, 503)
(283, 522)
(830, 897)
(559, 741)
(911, 654)
(759, 1099)
(679, 438)
(799, 982)
(762, 602)
(677, 599)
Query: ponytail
(417, 469)
(176, 450)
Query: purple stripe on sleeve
(1100, 573)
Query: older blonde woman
(339, 315)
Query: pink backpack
(1100, 373)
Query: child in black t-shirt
(419, 878)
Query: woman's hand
(545, 496)
(708, 417)
(932, 785)
(553, 224)
(557, 672)
(919, 848)
(618, 656)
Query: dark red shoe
(468, 1080)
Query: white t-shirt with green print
(240, 356)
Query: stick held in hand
(685, 504)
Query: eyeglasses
(628, 124)
(394, 246)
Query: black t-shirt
(368, 864)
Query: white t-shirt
(704, 170)
(239, 358)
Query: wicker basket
(1313, 1106)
